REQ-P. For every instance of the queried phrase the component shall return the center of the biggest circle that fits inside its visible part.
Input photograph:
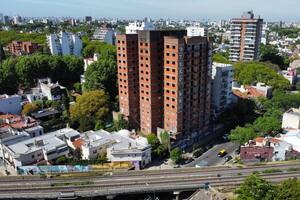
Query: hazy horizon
(174, 9)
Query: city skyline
(176, 9)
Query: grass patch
(256, 172)
(293, 169)
(72, 183)
(269, 171)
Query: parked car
(222, 153)
(188, 160)
(198, 153)
(228, 158)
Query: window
(146, 44)
(168, 46)
(119, 41)
(168, 54)
(173, 62)
(173, 70)
(173, 78)
(173, 47)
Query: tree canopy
(102, 75)
(254, 188)
(176, 155)
(24, 70)
(270, 53)
(250, 72)
(90, 108)
(242, 135)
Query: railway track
(169, 184)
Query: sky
(173, 9)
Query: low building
(134, 27)
(196, 31)
(23, 48)
(121, 146)
(295, 64)
(256, 153)
(105, 34)
(291, 119)
(17, 124)
(53, 91)
(88, 62)
(290, 74)
(292, 137)
(10, 104)
(28, 151)
(253, 91)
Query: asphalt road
(210, 157)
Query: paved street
(210, 158)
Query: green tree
(9, 80)
(249, 72)
(267, 124)
(102, 75)
(242, 134)
(165, 140)
(77, 87)
(120, 123)
(153, 141)
(288, 190)
(270, 53)
(90, 108)
(2, 54)
(220, 58)
(176, 155)
(29, 108)
(254, 188)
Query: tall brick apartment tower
(128, 78)
(173, 87)
(187, 84)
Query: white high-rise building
(17, 20)
(65, 44)
(196, 31)
(134, 27)
(246, 33)
(105, 35)
(222, 77)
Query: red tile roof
(78, 143)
